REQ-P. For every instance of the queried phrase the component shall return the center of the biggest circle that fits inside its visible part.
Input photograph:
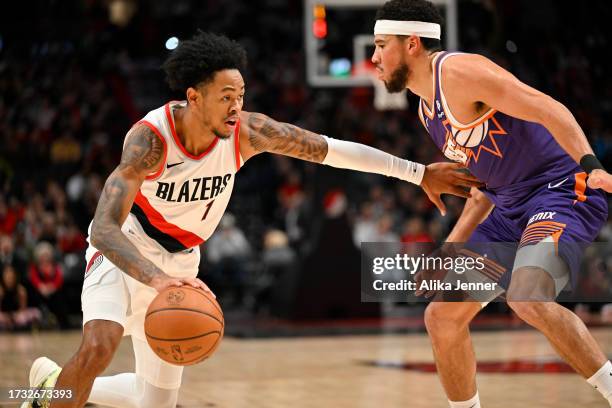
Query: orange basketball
(184, 325)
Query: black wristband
(589, 163)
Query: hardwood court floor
(322, 372)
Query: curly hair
(196, 60)
(413, 10)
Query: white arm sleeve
(355, 156)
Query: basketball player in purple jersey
(543, 184)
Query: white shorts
(110, 294)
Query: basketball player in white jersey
(543, 184)
(166, 197)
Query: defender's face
(222, 102)
(390, 64)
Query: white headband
(396, 27)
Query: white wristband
(355, 156)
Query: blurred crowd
(73, 83)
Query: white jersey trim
(453, 121)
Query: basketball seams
(214, 305)
(185, 338)
(221, 322)
(206, 297)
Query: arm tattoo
(143, 150)
(142, 154)
(268, 135)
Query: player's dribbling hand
(447, 178)
(162, 283)
(600, 179)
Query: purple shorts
(564, 209)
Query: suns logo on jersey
(466, 144)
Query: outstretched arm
(142, 155)
(499, 89)
(263, 134)
(259, 133)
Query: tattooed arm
(259, 133)
(142, 155)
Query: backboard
(338, 36)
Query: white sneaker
(43, 374)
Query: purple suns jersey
(510, 155)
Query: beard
(221, 135)
(399, 79)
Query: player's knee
(159, 397)
(101, 349)
(441, 317)
(99, 344)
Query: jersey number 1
(207, 210)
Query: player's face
(222, 102)
(390, 63)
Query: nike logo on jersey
(196, 189)
(169, 166)
(546, 215)
(557, 184)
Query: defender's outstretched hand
(447, 178)
(600, 179)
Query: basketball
(184, 325)
(471, 137)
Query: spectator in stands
(10, 215)
(276, 252)
(276, 283)
(415, 231)
(47, 278)
(71, 239)
(48, 228)
(8, 255)
(14, 310)
(365, 225)
(228, 252)
(292, 200)
(384, 230)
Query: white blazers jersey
(181, 205)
